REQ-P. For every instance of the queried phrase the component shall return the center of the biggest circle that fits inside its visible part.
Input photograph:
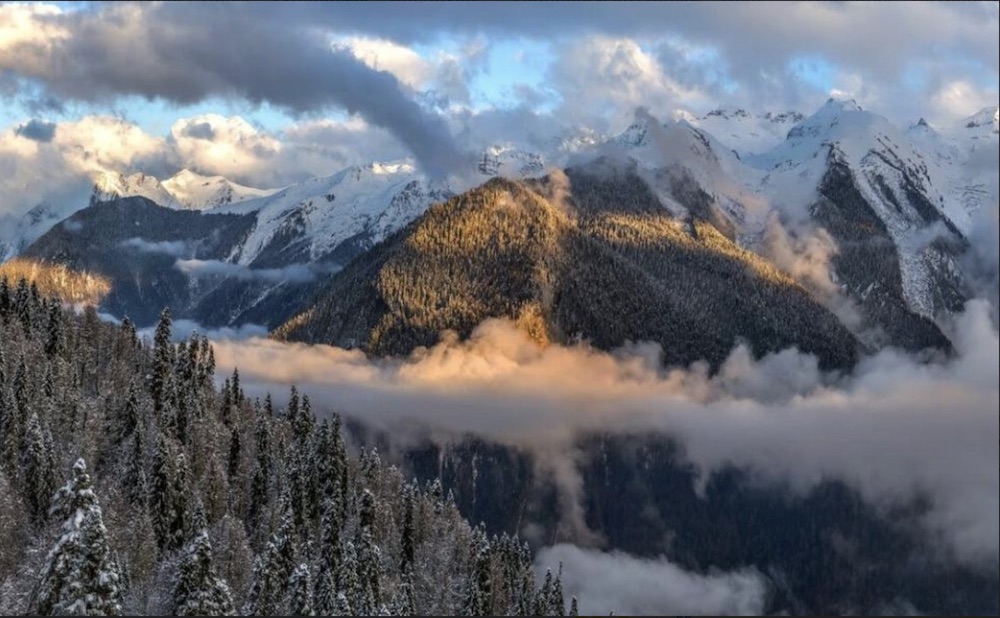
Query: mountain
(186, 189)
(605, 262)
(334, 218)
(138, 246)
(190, 255)
(748, 132)
(199, 192)
(897, 205)
(110, 186)
(890, 207)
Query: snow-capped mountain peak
(987, 117)
(110, 185)
(745, 132)
(195, 191)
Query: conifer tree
(329, 557)
(199, 591)
(348, 585)
(273, 568)
(55, 343)
(38, 469)
(163, 361)
(80, 576)
(300, 585)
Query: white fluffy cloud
(58, 162)
(230, 147)
(33, 170)
(607, 78)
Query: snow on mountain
(192, 190)
(746, 132)
(672, 155)
(988, 117)
(320, 214)
(29, 227)
(510, 162)
(908, 192)
(362, 205)
(966, 157)
(110, 185)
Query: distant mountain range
(644, 233)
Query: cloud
(604, 77)
(181, 329)
(745, 52)
(175, 248)
(170, 52)
(61, 170)
(982, 261)
(227, 146)
(804, 252)
(37, 130)
(894, 428)
(295, 273)
(616, 582)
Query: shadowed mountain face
(825, 551)
(590, 256)
(136, 245)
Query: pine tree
(15, 417)
(543, 599)
(329, 557)
(557, 602)
(169, 496)
(80, 576)
(136, 483)
(479, 593)
(198, 591)
(407, 540)
(234, 458)
(273, 569)
(163, 362)
(574, 610)
(300, 603)
(348, 585)
(404, 603)
(55, 343)
(39, 471)
(338, 470)
(369, 559)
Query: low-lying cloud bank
(894, 428)
(616, 582)
(295, 273)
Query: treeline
(183, 498)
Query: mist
(605, 582)
(894, 428)
(294, 273)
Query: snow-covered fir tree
(80, 576)
(199, 591)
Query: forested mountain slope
(191, 500)
(600, 259)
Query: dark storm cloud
(187, 53)
(865, 34)
(37, 130)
